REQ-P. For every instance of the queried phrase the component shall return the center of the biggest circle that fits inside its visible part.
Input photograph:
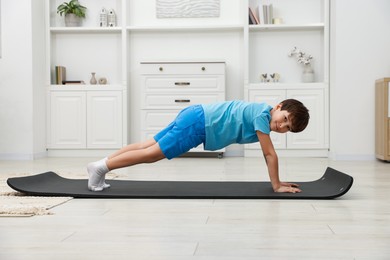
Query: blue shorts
(184, 133)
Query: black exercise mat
(331, 185)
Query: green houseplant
(73, 12)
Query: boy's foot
(97, 172)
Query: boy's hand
(288, 187)
(272, 163)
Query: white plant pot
(308, 75)
(71, 20)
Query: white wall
(18, 83)
(38, 79)
(360, 54)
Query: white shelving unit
(248, 50)
(305, 26)
(86, 118)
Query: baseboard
(79, 153)
(21, 156)
(290, 153)
(352, 157)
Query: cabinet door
(67, 120)
(156, 120)
(314, 134)
(104, 119)
(272, 98)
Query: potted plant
(305, 60)
(73, 12)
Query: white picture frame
(187, 8)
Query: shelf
(86, 87)
(276, 85)
(85, 29)
(182, 61)
(282, 27)
(232, 27)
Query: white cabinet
(168, 87)
(305, 25)
(116, 52)
(67, 120)
(104, 119)
(85, 119)
(86, 116)
(314, 136)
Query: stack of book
(264, 15)
(60, 75)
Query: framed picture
(187, 8)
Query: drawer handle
(182, 83)
(160, 69)
(203, 68)
(182, 100)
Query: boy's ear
(278, 106)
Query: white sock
(97, 172)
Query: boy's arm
(271, 159)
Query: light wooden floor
(356, 226)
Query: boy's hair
(299, 114)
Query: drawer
(155, 120)
(182, 84)
(178, 101)
(190, 68)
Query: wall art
(187, 8)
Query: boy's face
(280, 121)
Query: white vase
(93, 80)
(308, 74)
(71, 20)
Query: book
(250, 21)
(253, 16)
(265, 13)
(260, 14)
(270, 11)
(60, 72)
(73, 82)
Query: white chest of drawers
(168, 87)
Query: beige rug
(14, 203)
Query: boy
(216, 126)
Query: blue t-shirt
(235, 122)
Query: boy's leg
(97, 170)
(186, 132)
(97, 181)
(132, 147)
(148, 154)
